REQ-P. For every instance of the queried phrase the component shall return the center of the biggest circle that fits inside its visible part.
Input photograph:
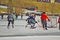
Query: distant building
(57, 1)
(43, 0)
(48, 0)
(38, 0)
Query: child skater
(31, 20)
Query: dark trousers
(12, 22)
(16, 16)
(2, 16)
(44, 24)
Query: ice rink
(31, 38)
(20, 30)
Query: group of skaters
(31, 20)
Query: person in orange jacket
(44, 17)
(59, 22)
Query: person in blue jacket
(31, 20)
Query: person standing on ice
(59, 22)
(11, 19)
(21, 16)
(44, 18)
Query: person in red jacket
(59, 22)
(44, 17)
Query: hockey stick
(39, 25)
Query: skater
(21, 16)
(31, 21)
(44, 18)
(59, 22)
(10, 20)
(2, 16)
(16, 16)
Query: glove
(48, 19)
(36, 21)
(26, 19)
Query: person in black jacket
(10, 20)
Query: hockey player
(31, 20)
(11, 19)
(44, 17)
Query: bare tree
(10, 8)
